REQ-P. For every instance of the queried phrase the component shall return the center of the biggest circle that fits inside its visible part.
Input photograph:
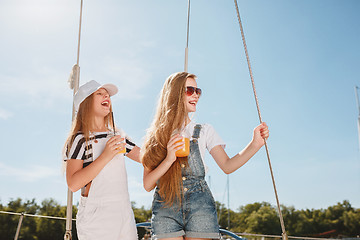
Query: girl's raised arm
(134, 154)
(229, 165)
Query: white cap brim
(89, 88)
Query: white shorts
(110, 220)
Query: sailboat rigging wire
(226, 189)
(80, 21)
(75, 86)
(284, 235)
(358, 106)
(187, 39)
(228, 198)
(357, 99)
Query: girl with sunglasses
(183, 206)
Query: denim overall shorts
(196, 216)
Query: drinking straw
(113, 122)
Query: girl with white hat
(94, 165)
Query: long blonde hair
(83, 122)
(170, 115)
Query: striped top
(82, 150)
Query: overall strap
(196, 169)
(196, 133)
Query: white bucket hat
(89, 88)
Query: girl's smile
(191, 101)
(106, 103)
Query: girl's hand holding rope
(261, 133)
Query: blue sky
(305, 57)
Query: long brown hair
(83, 122)
(170, 116)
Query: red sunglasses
(190, 91)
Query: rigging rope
(187, 39)
(284, 235)
(74, 84)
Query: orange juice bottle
(184, 152)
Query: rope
(284, 235)
(32, 215)
(187, 39)
(78, 50)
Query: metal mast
(74, 84)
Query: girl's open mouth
(105, 103)
(193, 103)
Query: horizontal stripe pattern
(82, 149)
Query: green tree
(244, 213)
(141, 214)
(9, 223)
(340, 220)
(50, 228)
(291, 219)
(352, 222)
(224, 215)
(264, 221)
(306, 224)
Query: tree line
(338, 221)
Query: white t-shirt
(208, 138)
